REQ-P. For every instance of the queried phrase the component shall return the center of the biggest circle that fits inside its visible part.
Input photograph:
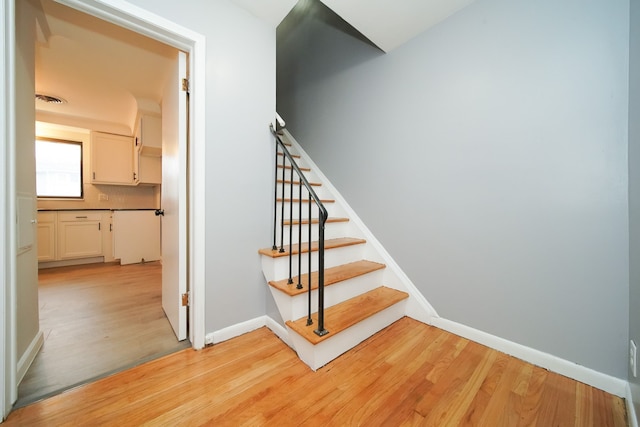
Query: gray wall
(489, 156)
(634, 189)
(240, 104)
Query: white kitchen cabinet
(136, 236)
(79, 234)
(46, 236)
(148, 156)
(149, 136)
(148, 169)
(112, 159)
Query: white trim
(29, 355)
(564, 367)
(242, 328)
(8, 389)
(237, 330)
(144, 22)
(631, 410)
(416, 295)
(279, 330)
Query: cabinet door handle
(94, 175)
(110, 227)
(99, 228)
(81, 217)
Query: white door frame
(141, 21)
(8, 364)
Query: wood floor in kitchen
(96, 319)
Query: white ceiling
(388, 24)
(105, 72)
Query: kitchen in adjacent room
(103, 93)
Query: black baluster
(290, 281)
(284, 161)
(309, 320)
(299, 286)
(275, 201)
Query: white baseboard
(248, 326)
(234, 330)
(631, 410)
(279, 330)
(29, 355)
(555, 364)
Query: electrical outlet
(633, 361)
(103, 197)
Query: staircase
(361, 295)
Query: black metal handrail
(282, 151)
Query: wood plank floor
(96, 318)
(408, 374)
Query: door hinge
(185, 85)
(185, 299)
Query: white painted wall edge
(8, 293)
(5, 332)
(369, 237)
(29, 355)
(631, 410)
(242, 328)
(555, 364)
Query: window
(58, 168)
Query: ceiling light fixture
(50, 99)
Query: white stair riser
(278, 268)
(332, 210)
(331, 231)
(316, 356)
(293, 308)
(320, 191)
(287, 175)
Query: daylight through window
(58, 168)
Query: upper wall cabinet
(149, 135)
(112, 159)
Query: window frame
(63, 141)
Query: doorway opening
(189, 168)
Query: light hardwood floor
(408, 374)
(96, 319)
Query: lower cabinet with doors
(73, 235)
(47, 236)
(79, 234)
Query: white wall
(489, 156)
(240, 104)
(634, 189)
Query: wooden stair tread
(314, 221)
(328, 244)
(304, 200)
(346, 314)
(313, 184)
(332, 276)
(301, 168)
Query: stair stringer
(417, 306)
